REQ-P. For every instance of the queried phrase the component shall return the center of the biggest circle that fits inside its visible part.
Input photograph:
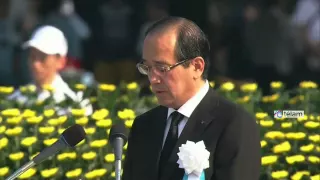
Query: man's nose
(153, 78)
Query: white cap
(49, 40)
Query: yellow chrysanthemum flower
(314, 159)
(266, 123)
(308, 85)
(132, 86)
(126, 114)
(14, 120)
(49, 112)
(60, 130)
(312, 125)
(54, 122)
(95, 173)
(62, 119)
(68, 155)
(268, 160)
(263, 143)
(57, 121)
(303, 118)
(81, 142)
(271, 98)
(2, 129)
(46, 130)
(276, 85)
(312, 117)
(10, 112)
(108, 131)
(47, 173)
(109, 158)
(282, 147)
(80, 87)
(211, 83)
(261, 115)
(249, 87)
(299, 174)
(315, 177)
(49, 142)
(28, 113)
(28, 141)
(23, 89)
(295, 135)
(98, 143)
(274, 135)
(16, 156)
(89, 155)
(107, 87)
(286, 125)
(105, 123)
(48, 87)
(28, 174)
(243, 99)
(73, 173)
(227, 86)
(3, 142)
(125, 146)
(34, 120)
(31, 88)
(100, 114)
(4, 171)
(295, 159)
(128, 123)
(314, 138)
(14, 131)
(90, 130)
(82, 121)
(78, 112)
(279, 174)
(6, 90)
(307, 148)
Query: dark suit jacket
(230, 134)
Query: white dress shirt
(186, 110)
(61, 92)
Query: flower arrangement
(290, 147)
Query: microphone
(118, 139)
(69, 138)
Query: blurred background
(251, 40)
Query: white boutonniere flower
(193, 158)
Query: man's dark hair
(191, 40)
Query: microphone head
(118, 130)
(73, 135)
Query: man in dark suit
(175, 59)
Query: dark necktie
(171, 139)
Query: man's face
(44, 67)
(170, 88)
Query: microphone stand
(21, 170)
(118, 156)
(118, 169)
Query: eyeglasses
(159, 69)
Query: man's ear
(198, 64)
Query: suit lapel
(202, 116)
